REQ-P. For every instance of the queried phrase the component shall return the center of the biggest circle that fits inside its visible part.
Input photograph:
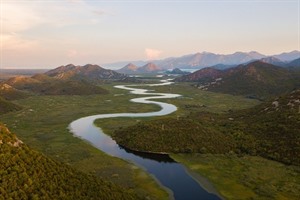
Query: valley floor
(43, 122)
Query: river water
(169, 173)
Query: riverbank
(44, 128)
(43, 122)
(245, 177)
(172, 175)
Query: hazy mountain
(294, 67)
(133, 69)
(207, 59)
(294, 63)
(87, 72)
(273, 61)
(288, 56)
(148, 68)
(203, 75)
(119, 65)
(128, 69)
(256, 79)
(177, 71)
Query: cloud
(75, 1)
(152, 54)
(14, 41)
(99, 12)
(18, 17)
(72, 53)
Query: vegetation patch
(28, 174)
(43, 122)
(7, 106)
(270, 130)
(245, 177)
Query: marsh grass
(245, 177)
(43, 125)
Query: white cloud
(152, 54)
(72, 53)
(99, 12)
(75, 1)
(14, 41)
(18, 17)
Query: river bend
(169, 173)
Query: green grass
(246, 177)
(192, 100)
(7, 106)
(43, 122)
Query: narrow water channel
(169, 173)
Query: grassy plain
(43, 125)
(246, 177)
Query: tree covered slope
(28, 174)
(270, 130)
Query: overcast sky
(50, 33)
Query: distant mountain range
(294, 63)
(207, 59)
(133, 69)
(64, 80)
(256, 79)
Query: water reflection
(169, 173)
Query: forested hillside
(270, 130)
(27, 174)
(256, 80)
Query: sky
(51, 33)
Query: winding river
(169, 173)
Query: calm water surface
(168, 172)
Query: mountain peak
(288, 56)
(130, 68)
(89, 72)
(207, 73)
(150, 67)
(272, 60)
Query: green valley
(43, 122)
(231, 140)
(149, 100)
